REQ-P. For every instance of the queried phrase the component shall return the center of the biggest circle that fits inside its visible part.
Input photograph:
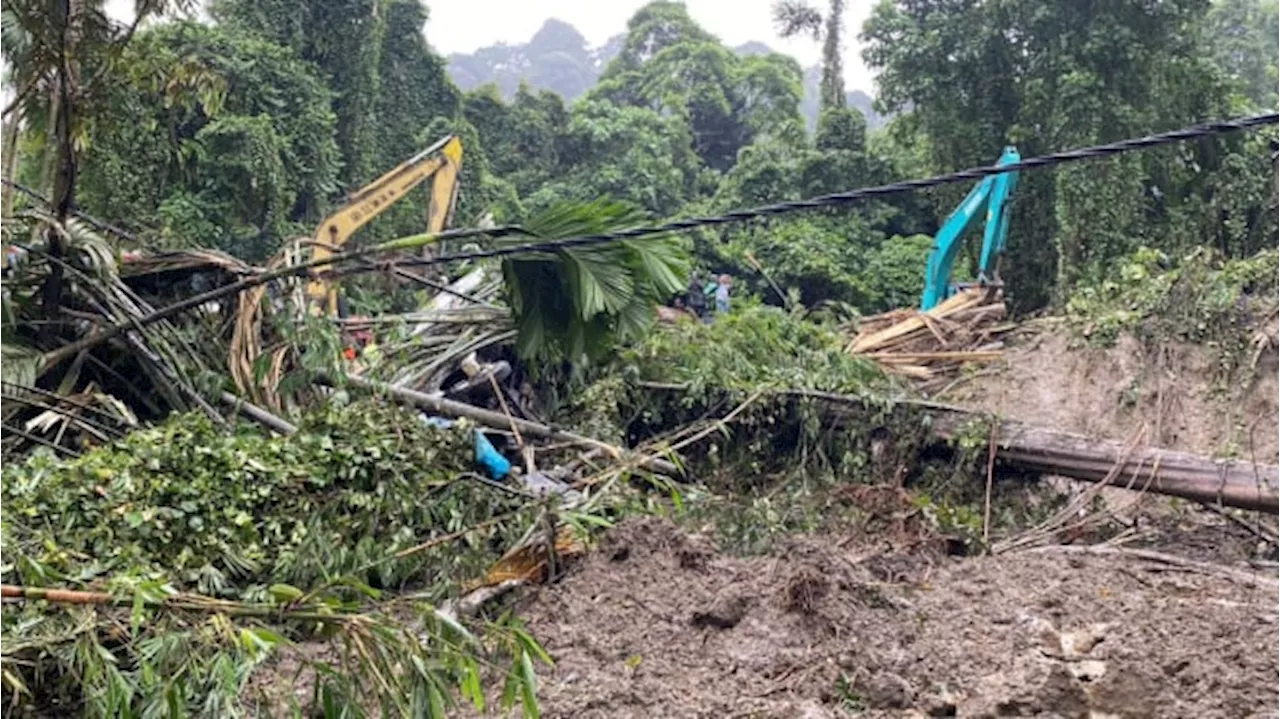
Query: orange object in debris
(349, 353)
(528, 563)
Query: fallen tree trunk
(1232, 483)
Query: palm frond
(569, 302)
(793, 17)
(20, 364)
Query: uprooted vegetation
(355, 563)
(223, 548)
(230, 551)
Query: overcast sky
(467, 26)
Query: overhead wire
(849, 196)
(835, 199)
(75, 212)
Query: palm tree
(794, 17)
(58, 52)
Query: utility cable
(75, 212)
(850, 196)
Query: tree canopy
(243, 132)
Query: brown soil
(656, 623)
(1116, 392)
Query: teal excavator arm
(992, 194)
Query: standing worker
(697, 297)
(722, 294)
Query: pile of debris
(930, 345)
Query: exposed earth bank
(1169, 395)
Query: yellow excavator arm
(441, 163)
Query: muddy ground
(656, 623)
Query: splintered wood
(929, 345)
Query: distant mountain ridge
(557, 58)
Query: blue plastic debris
(494, 463)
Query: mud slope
(656, 623)
(1113, 393)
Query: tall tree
(669, 64)
(239, 171)
(344, 39)
(1245, 41)
(60, 52)
(1048, 76)
(794, 17)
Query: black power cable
(75, 212)
(849, 196)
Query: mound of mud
(1115, 392)
(656, 623)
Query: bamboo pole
(497, 420)
(258, 414)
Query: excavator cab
(992, 195)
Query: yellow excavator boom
(442, 162)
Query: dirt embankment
(656, 623)
(1115, 393)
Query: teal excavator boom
(992, 195)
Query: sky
(467, 26)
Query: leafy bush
(228, 512)
(753, 347)
(1200, 298)
(343, 504)
(691, 371)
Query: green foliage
(571, 304)
(341, 508)
(670, 64)
(1245, 41)
(343, 39)
(229, 513)
(794, 17)
(479, 191)
(1200, 298)
(1048, 76)
(753, 347)
(413, 89)
(895, 271)
(629, 154)
(226, 167)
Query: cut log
(1179, 474)
(875, 340)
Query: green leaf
(529, 687)
(531, 645)
(456, 627)
(284, 593)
